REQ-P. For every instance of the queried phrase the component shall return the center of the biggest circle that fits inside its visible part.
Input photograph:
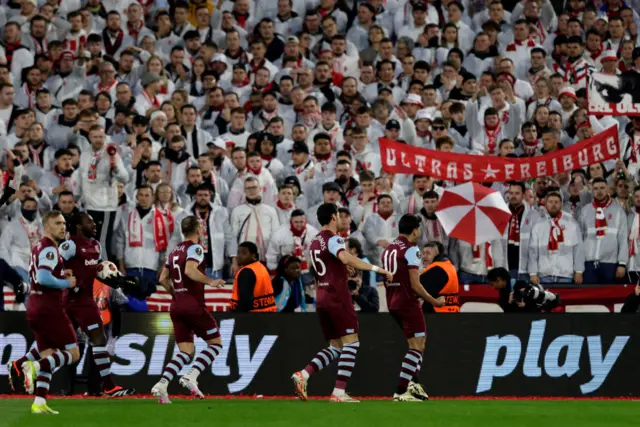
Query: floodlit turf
(230, 412)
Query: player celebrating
(402, 259)
(46, 315)
(185, 269)
(334, 305)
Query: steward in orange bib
(440, 279)
(252, 289)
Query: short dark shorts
(412, 322)
(189, 321)
(337, 322)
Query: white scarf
(252, 231)
(135, 229)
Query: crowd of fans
(251, 113)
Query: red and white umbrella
(473, 213)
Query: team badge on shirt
(49, 255)
(65, 246)
(340, 240)
(198, 251)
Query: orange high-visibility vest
(263, 299)
(101, 295)
(450, 290)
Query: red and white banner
(618, 95)
(407, 159)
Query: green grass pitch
(247, 412)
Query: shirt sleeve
(336, 245)
(195, 253)
(67, 249)
(246, 286)
(412, 256)
(48, 258)
(434, 280)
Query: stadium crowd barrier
(577, 355)
(473, 298)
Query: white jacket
(15, 247)
(282, 243)
(145, 256)
(223, 240)
(254, 223)
(461, 254)
(376, 228)
(529, 219)
(101, 193)
(613, 247)
(569, 258)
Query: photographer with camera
(365, 298)
(518, 296)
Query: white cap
(157, 114)
(219, 142)
(412, 98)
(568, 91)
(220, 57)
(423, 114)
(609, 55)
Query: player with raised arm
(46, 315)
(183, 277)
(335, 309)
(402, 259)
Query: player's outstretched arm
(164, 280)
(414, 276)
(355, 262)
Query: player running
(46, 315)
(402, 259)
(81, 254)
(185, 269)
(334, 306)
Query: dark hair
(65, 193)
(189, 225)
(251, 247)
(355, 244)
(518, 184)
(326, 211)
(598, 179)
(431, 194)
(297, 212)
(408, 223)
(498, 273)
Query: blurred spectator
(19, 236)
(355, 248)
(218, 240)
(365, 298)
(100, 168)
(288, 287)
(518, 232)
(254, 221)
(380, 228)
(556, 252)
(291, 238)
(605, 236)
